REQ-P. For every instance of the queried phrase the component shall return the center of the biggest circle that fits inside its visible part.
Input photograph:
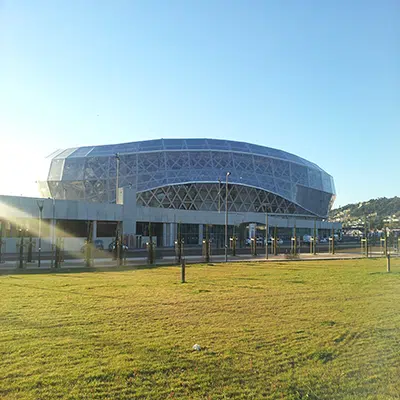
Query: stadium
(192, 181)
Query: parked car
(279, 241)
(98, 244)
(111, 247)
(260, 241)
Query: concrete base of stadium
(50, 219)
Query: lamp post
(1, 239)
(119, 234)
(266, 235)
(315, 238)
(117, 159)
(226, 216)
(53, 233)
(219, 195)
(40, 206)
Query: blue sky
(320, 79)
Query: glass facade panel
(315, 179)
(281, 169)
(127, 148)
(174, 144)
(97, 168)
(74, 169)
(81, 152)
(67, 152)
(326, 183)
(151, 162)
(56, 170)
(299, 174)
(177, 160)
(151, 145)
(103, 151)
(218, 144)
(222, 161)
(263, 166)
(196, 144)
(241, 147)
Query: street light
(53, 233)
(118, 232)
(226, 217)
(117, 159)
(219, 195)
(266, 234)
(40, 206)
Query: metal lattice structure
(211, 197)
(184, 174)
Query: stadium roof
(180, 144)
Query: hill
(379, 212)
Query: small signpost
(364, 246)
(332, 242)
(253, 246)
(1, 242)
(383, 245)
(20, 247)
(59, 252)
(275, 241)
(232, 242)
(183, 270)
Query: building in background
(184, 181)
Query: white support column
(53, 232)
(172, 235)
(94, 235)
(200, 233)
(164, 235)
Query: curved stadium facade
(189, 174)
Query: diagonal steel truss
(208, 197)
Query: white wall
(14, 207)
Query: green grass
(289, 330)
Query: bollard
(150, 253)
(388, 263)
(183, 268)
(1, 241)
(206, 251)
(30, 249)
(20, 247)
(234, 246)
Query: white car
(260, 241)
(278, 240)
(111, 247)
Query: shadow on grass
(385, 273)
(77, 270)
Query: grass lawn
(290, 330)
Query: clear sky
(320, 79)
